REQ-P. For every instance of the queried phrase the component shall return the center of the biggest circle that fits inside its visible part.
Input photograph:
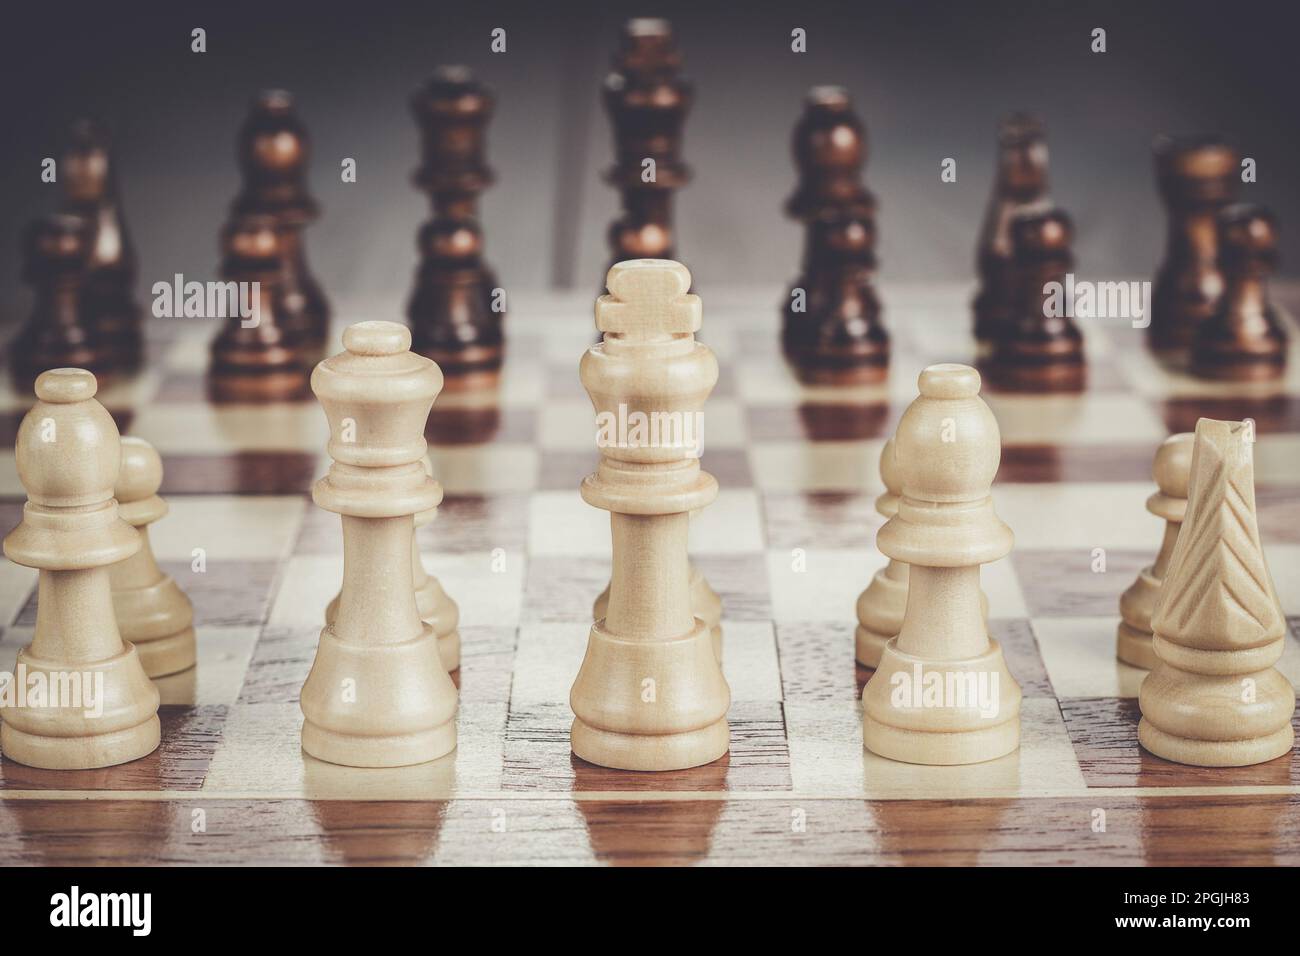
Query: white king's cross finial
(648, 297)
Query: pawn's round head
(68, 448)
(66, 386)
(141, 473)
(1173, 465)
(829, 134)
(273, 140)
(948, 444)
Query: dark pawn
(831, 329)
(830, 150)
(1197, 177)
(272, 360)
(838, 337)
(56, 252)
(87, 172)
(1021, 184)
(274, 150)
(1243, 339)
(451, 309)
(1040, 349)
(647, 99)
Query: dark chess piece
(838, 338)
(647, 99)
(1197, 177)
(830, 151)
(87, 172)
(831, 330)
(1020, 185)
(274, 150)
(1040, 348)
(265, 357)
(56, 252)
(456, 309)
(1243, 339)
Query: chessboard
(789, 544)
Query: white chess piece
(942, 693)
(436, 607)
(153, 613)
(1214, 698)
(650, 694)
(378, 694)
(1171, 470)
(68, 455)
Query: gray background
(929, 79)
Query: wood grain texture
(1104, 734)
(1139, 831)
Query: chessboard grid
(274, 561)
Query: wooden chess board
(789, 544)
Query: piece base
(946, 732)
(168, 655)
(650, 751)
(1246, 368)
(290, 385)
(402, 750)
(80, 753)
(1215, 753)
(869, 646)
(811, 372)
(1008, 374)
(1134, 647)
(940, 749)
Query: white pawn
(153, 613)
(942, 693)
(68, 455)
(1171, 471)
(881, 605)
